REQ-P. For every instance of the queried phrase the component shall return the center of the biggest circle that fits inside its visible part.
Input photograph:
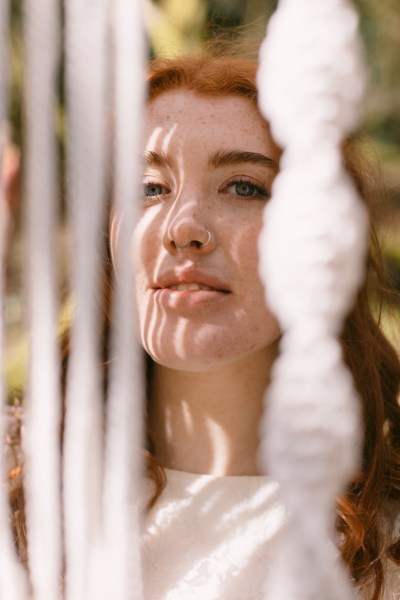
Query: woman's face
(207, 177)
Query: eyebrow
(158, 159)
(221, 158)
(224, 158)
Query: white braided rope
(42, 403)
(312, 247)
(86, 87)
(123, 467)
(13, 580)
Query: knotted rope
(312, 248)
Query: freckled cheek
(146, 243)
(243, 243)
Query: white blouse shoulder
(211, 537)
(214, 538)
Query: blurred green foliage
(380, 25)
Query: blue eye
(247, 189)
(243, 188)
(152, 190)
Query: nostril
(182, 238)
(184, 246)
(194, 243)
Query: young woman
(210, 162)
(215, 521)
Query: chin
(205, 361)
(207, 348)
(189, 363)
(187, 348)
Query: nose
(186, 229)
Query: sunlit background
(177, 27)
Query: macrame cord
(312, 247)
(42, 398)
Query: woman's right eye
(153, 190)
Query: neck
(208, 422)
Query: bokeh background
(183, 26)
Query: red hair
(204, 76)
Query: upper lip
(172, 277)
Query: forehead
(227, 121)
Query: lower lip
(189, 298)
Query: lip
(174, 277)
(181, 299)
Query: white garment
(213, 538)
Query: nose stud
(194, 242)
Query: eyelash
(154, 184)
(154, 197)
(260, 190)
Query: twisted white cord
(42, 403)
(123, 467)
(86, 87)
(312, 247)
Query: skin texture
(213, 349)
